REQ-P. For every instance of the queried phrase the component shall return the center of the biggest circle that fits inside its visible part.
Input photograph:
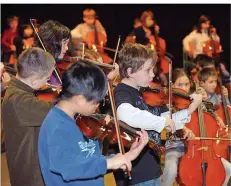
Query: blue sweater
(66, 156)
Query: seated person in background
(24, 39)
(8, 35)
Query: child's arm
(182, 117)
(66, 159)
(143, 119)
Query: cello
(197, 166)
(212, 47)
(96, 40)
(160, 46)
(224, 147)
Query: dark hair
(24, 27)
(34, 61)
(204, 60)
(52, 33)
(205, 73)
(84, 78)
(178, 73)
(202, 19)
(134, 56)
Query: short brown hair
(12, 18)
(134, 56)
(178, 73)
(34, 61)
(205, 73)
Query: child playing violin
(22, 115)
(136, 63)
(56, 37)
(66, 155)
(208, 80)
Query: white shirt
(198, 40)
(145, 120)
(81, 30)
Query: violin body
(201, 153)
(96, 127)
(48, 93)
(156, 95)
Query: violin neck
(201, 116)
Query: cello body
(97, 38)
(201, 153)
(161, 49)
(222, 147)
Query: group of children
(45, 146)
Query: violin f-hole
(193, 152)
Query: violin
(224, 112)
(156, 96)
(48, 93)
(96, 127)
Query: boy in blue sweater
(66, 155)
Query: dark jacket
(23, 115)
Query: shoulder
(121, 87)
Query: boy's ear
(129, 72)
(201, 83)
(79, 100)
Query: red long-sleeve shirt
(7, 39)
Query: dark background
(175, 20)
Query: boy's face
(13, 24)
(144, 76)
(38, 82)
(87, 107)
(210, 84)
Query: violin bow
(31, 21)
(112, 100)
(117, 48)
(118, 133)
